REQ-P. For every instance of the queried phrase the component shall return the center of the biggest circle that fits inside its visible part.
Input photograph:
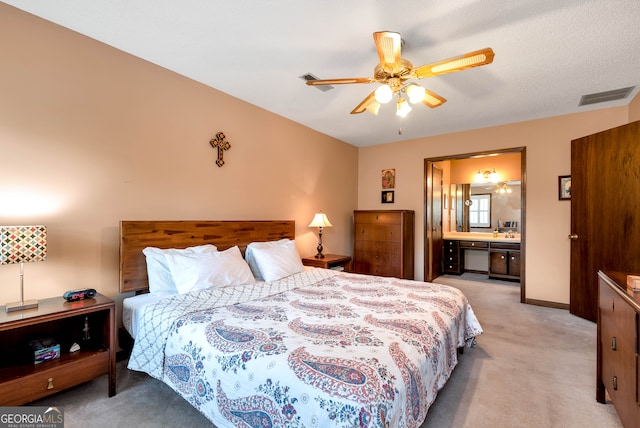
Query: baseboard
(547, 304)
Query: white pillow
(277, 261)
(160, 280)
(197, 271)
(248, 255)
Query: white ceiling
(548, 53)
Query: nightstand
(22, 381)
(329, 261)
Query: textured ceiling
(548, 54)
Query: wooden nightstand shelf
(329, 261)
(22, 381)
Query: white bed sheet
(133, 308)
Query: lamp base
(19, 306)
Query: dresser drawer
(506, 245)
(474, 244)
(377, 247)
(54, 376)
(449, 250)
(451, 267)
(377, 217)
(452, 258)
(374, 263)
(378, 232)
(451, 244)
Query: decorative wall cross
(221, 144)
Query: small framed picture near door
(564, 188)
(387, 196)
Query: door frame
(429, 275)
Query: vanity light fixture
(487, 176)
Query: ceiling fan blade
(340, 81)
(432, 100)
(369, 103)
(458, 63)
(388, 45)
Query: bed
(296, 347)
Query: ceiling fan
(394, 73)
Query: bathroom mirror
(505, 211)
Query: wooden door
(436, 222)
(605, 211)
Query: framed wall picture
(564, 187)
(388, 178)
(387, 197)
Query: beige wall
(548, 143)
(90, 136)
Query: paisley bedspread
(317, 349)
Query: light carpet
(532, 367)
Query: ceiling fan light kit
(383, 94)
(403, 108)
(393, 72)
(415, 93)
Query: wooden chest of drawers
(617, 346)
(383, 243)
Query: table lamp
(320, 220)
(22, 244)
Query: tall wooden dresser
(383, 243)
(617, 346)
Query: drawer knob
(615, 383)
(502, 257)
(50, 383)
(613, 344)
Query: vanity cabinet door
(498, 262)
(514, 263)
(504, 260)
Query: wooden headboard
(137, 235)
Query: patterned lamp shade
(22, 244)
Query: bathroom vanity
(501, 254)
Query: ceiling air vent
(602, 97)
(309, 76)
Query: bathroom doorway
(439, 200)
